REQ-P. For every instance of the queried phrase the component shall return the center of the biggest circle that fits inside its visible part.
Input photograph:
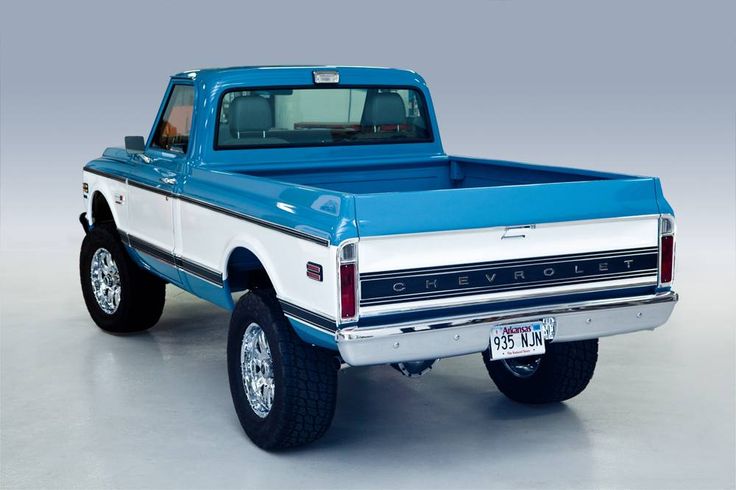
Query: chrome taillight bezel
(667, 228)
(347, 254)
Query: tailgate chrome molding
(447, 337)
(391, 287)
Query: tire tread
(565, 371)
(310, 379)
(143, 295)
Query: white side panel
(112, 190)
(378, 254)
(208, 238)
(151, 217)
(483, 245)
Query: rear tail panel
(468, 246)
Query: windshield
(321, 117)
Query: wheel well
(245, 271)
(101, 212)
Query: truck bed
(446, 173)
(457, 193)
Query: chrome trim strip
(432, 339)
(119, 178)
(309, 324)
(340, 261)
(668, 217)
(124, 237)
(502, 228)
(152, 250)
(152, 188)
(311, 318)
(199, 270)
(203, 272)
(538, 293)
(353, 333)
(267, 224)
(385, 300)
(213, 207)
(557, 259)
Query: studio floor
(85, 409)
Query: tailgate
(460, 246)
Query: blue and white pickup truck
(318, 205)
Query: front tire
(283, 389)
(560, 374)
(120, 296)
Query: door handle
(168, 180)
(517, 231)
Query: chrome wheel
(523, 367)
(105, 279)
(256, 368)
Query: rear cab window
(311, 116)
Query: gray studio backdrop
(640, 87)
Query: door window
(172, 132)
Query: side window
(172, 132)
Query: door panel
(153, 185)
(151, 212)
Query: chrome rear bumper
(446, 337)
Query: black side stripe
(124, 237)
(152, 250)
(186, 265)
(219, 209)
(504, 263)
(105, 174)
(311, 318)
(650, 273)
(151, 188)
(314, 319)
(199, 270)
(251, 219)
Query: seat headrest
(384, 108)
(250, 113)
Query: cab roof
(301, 75)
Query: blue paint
(664, 206)
(458, 209)
(343, 192)
(312, 335)
(165, 271)
(217, 295)
(330, 194)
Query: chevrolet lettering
(386, 288)
(318, 205)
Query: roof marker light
(326, 76)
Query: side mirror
(135, 144)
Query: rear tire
(560, 374)
(283, 389)
(121, 297)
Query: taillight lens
(347, 291)
(667, 258)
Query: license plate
(517, 340)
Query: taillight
(667, 258)
(666, 250)
(348, 262)
(347, 291)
